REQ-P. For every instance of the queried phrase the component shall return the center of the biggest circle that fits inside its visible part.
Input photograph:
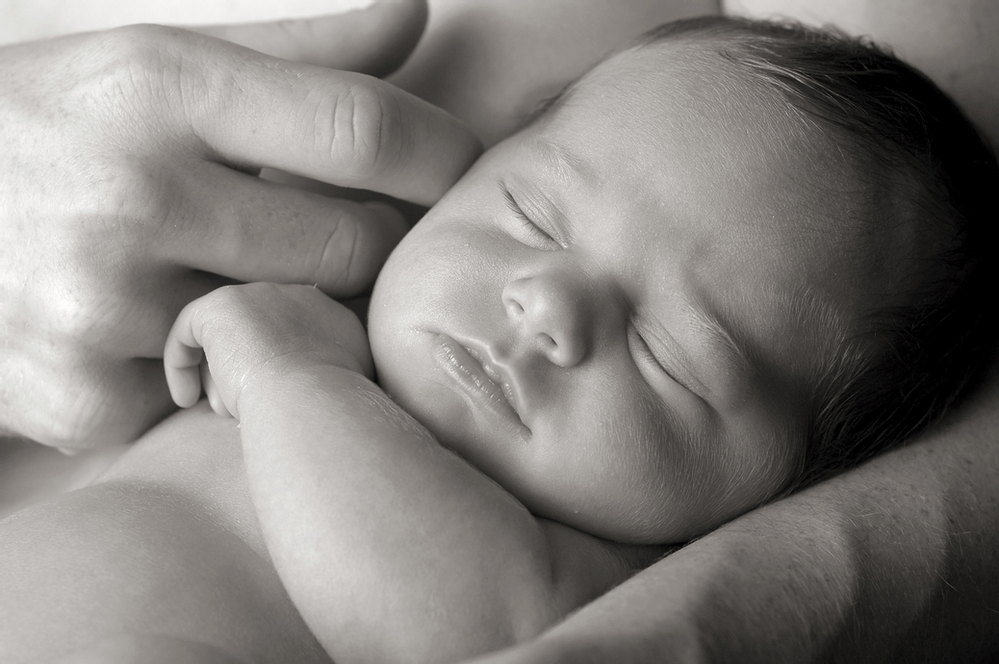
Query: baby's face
(619, 312)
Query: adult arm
(128, 187)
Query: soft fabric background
(21, 20)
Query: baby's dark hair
(915, 356)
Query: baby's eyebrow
(562, 163)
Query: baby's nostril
(514, 308)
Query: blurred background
(21, 20)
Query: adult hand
(128, 187)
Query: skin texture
(393, 548)
(133, 649)
(891, 562)
(491, 62)
(79, 365)
(171, 498)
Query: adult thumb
(373, 40)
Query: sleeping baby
(731, 259)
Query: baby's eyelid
(529, 225)
(642, 347)
(644, 351)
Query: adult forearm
(923, 540)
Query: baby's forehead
(688, 92)
(687, 66)
(676, 92)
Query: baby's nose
(552, 313)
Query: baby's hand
(222, 341)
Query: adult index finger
(251, 110)
(265, 231)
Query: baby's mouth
(478, 377)
(498, 379)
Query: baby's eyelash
(529, 226)
(644, 352)
(642, 349)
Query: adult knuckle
(74, 307)
(78, 404)
(99, 267)
(361, 135)
(133, 198)
(153, 77)
(130, 65)
(336, 266)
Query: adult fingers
(264, 231)
(93, 405)
(350, 130)
(375, 40)
(251, 110)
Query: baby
(623, 324)
(730, 259)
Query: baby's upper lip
(499, 374)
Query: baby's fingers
(186, 364)
(182, 358)
(213, 393)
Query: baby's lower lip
(455, 360)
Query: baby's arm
(392, 547)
